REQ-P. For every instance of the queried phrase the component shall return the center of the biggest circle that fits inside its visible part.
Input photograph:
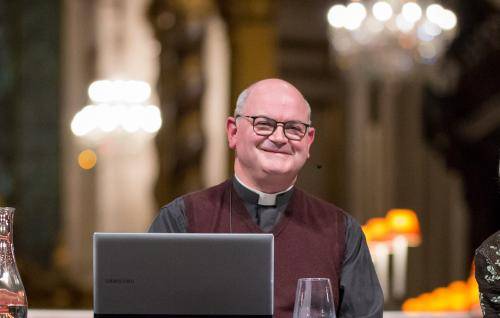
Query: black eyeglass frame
(275, 126)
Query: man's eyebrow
(286, 121)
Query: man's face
(261, 157)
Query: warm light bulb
(77, 126)
(99, 91)
(107, 91)
(382, 11)
(434, 13)
(352, 24)
(106, 119)
(84, 121)
(356, 10)
(411, 12)
(118, 91)
(135, 91)
(119, 103)
(87, 159)
(449, 20)
(130, 119)
(337, 16)
(356, 13)
(151, 119)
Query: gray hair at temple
(242, 98)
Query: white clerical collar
(264, 198)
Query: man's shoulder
(317, 201)
(208, 192)
(173, 216)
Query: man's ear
(311, 132)
(231, 131)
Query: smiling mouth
(276, 151)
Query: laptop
(183, 275)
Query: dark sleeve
(171, 218)
(487, 261)
(361, 292)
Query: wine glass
(314, 299)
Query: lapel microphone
(230, 210)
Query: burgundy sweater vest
(309, 239)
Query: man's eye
(264, 123)
(264, 128)
(296, 127)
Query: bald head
(267, 85)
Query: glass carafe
(13, 301)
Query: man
(271, 134)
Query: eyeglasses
(263, 126)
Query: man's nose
(278, 135)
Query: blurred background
(405, 101)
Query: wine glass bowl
(314, 299)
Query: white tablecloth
(46, 313)
(399, 314)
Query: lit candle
(377, 230)
(405, 227)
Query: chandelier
(118, 106)
(390, 36)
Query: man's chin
(277, 170)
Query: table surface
(46, 313)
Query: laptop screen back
(145, 274)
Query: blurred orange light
(473, 290)
(457, 296)
(459, 301)
(366, 231)
(406, 41)
(457, 286)
(424, 301)
(440, 298)
(87, 159)
(405, 222)
(378, 228)
(411, 304)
